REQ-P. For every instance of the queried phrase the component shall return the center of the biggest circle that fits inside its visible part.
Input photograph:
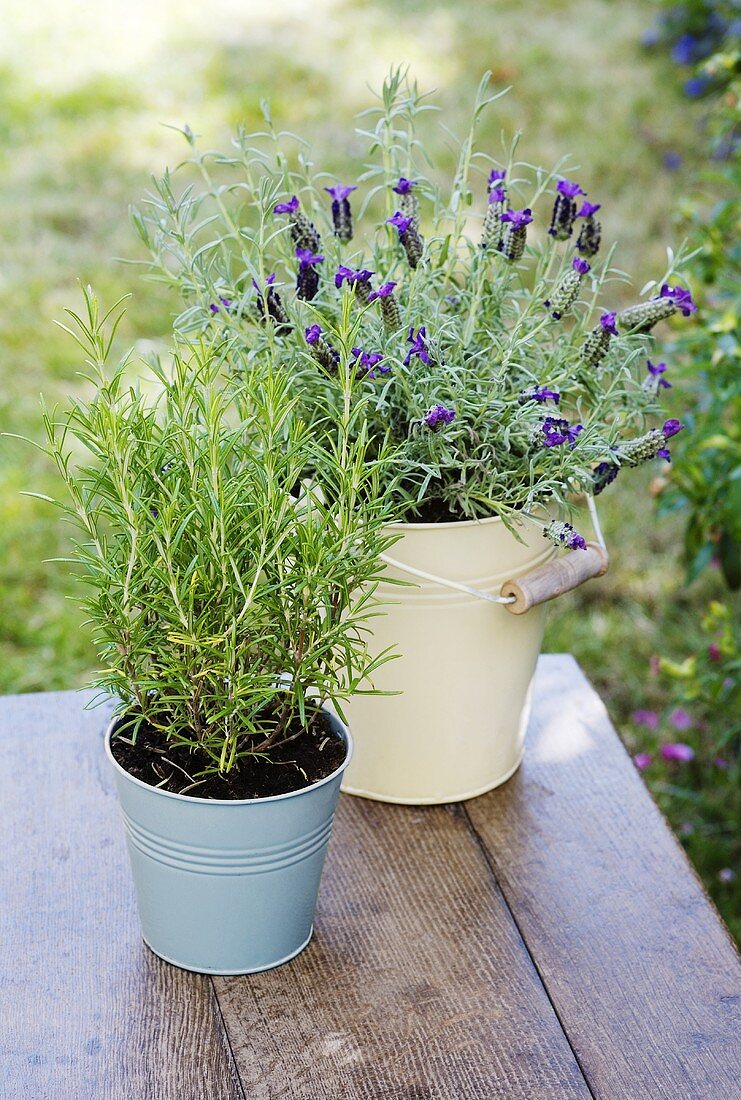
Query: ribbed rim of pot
(400, 525)
(349, 743)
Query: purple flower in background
(721, 762)
(569, 189)
(581, 267)
(643, 760)
(518, 219)
(496, 176)
(225, 302)
(268, 282)
(665, 453)
(400, 222)
(607, 321)
(677, 752)
(214, 308)
(439, 414)
(588, 209)
(649, 719)
(342, 274)
(289, 207)
(714, 651)
(557, 432)
(672, 161)
(419, 346)
(671, 427)
(313, 334)
(696, 86)
(681, 298)
(339, 192)
(684, 50)
(576, 542)
(382, 292)
(726, 875)
(681, 719)
(656, 370)
(404, 186)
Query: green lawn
(85, 102)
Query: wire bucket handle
(561, 575)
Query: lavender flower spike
(642, 318)
(271, 302)
(389, 306)
(590, 234)
(556, 432)
(303, 232)
(563, 534)
(289, 207)
(597, 344)
(409, 237)
(567, 290)
(564, 209)
(341, 212)
(513, 244)
(496, 177)
(321, 348)
(438, 415)
(307, 278)
(541, 394)
(408, 203)
(492, 232)
(682, 298)
(369, 362)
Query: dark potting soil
(313, 754)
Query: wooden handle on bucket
(555, 578)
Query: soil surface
(312, 754)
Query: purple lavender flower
(437, 415)
(358, 280)
(289, 207)
(696, 86)
(643, 760)
(341, 212)
(563, 534)
(368, 362)
(681, 719)
(672, 161)
(567, 290)
(498, 194)
(590, 234)
(671, 427)
(655, 371)
(682, 298)
(307, 279)
(564, 209)
(597, 343)
(492, 231)
(495, 176)
(607, 322)
(588, 209)
(569, 189)
(272, 302)
(557, 432)
(408, 235)
(404, 186)
(342, 274)
(382, 292)
(214, 308)
(512, 245)
(685, 50)
(603, 475)
(400, 222)
(419, 346)
(540, 394)
(665, 453)
(581, 267)
(313, 334)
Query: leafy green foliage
(226, 592)
(491, 335)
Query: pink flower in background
(678, 752)
(647, 718)
(643, 760)
(714, 651)
(720, 762)
(681, 719)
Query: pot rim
(349, 744)
(401, 525)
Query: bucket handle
(542, 584)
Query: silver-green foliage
(227, 592)
(491, 337)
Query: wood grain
(555, 577)
(642, 973)
(416, 985)
(86, 1011)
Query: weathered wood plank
(86, 1011)
(643, 975)
(416, 985)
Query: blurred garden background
(644, 99)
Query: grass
(83, 100)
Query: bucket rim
(402, 525)
(237, 802)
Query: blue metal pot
(227, 886)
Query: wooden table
(548, 939)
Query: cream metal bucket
(464, 671)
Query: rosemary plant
(229, 595)
(484, 342)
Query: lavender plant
(483, 339)
(228, 597)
